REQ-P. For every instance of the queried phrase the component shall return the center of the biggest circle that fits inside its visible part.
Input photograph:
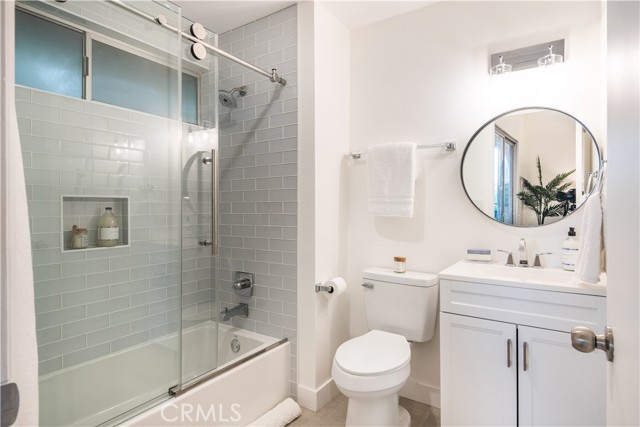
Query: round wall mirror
(530, 166)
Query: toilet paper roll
(339, 287)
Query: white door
(623, 214)
(558, 385)
(479, 372)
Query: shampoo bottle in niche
(570, 250)
(108, 230)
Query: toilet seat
(374, 362)
(372, 354)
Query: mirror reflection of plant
(540, 198)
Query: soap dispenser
(570, 248)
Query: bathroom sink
(535, 278)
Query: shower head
(227, 99)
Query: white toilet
(371, 369)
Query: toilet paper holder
(324, 288)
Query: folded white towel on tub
(280, 416)
(392, 177)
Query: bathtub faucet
(241, 310)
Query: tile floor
(334, 413)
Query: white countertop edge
(456, 272)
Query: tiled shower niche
(85, 212)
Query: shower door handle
(213, 161)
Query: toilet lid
(373, 353)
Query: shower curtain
(19, 356)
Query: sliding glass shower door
(200, 240)
(100, 102)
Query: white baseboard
(421, 392)
(314, 399)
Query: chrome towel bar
(448, 146)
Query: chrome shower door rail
(162, 21)
(183, 388)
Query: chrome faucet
(536, 261)
(241, 310)
(523, 256)
(509, 262)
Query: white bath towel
(392, 176)
(21, 351)
(284, 413)
(589, 255)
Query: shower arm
(162, 21)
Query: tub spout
(241, 310)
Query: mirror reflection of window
(504, 176)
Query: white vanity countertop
(550, 279)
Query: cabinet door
(478, 384)
(560, 386)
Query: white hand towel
(285, 412)
(392, 174)
(588, 265)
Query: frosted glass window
(48, 56)
(127, 80)
(130, 81)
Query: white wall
(423, 77)
(323, 212)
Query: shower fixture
(227, 99)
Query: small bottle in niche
(79, 238)
(108, 230)
(399, 264)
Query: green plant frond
(539, 166)
(555, 210)
(541, 199)
(532, 204)
(558, 180)
(527, 185)
(563, 187)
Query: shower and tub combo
(134, 332)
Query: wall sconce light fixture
(550, 58)
(539, 55)
(500, 67)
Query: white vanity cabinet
(506, 354)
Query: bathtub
(103, 389)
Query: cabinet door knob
(525, 356)
(585, 340)
(509, 345)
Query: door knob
(585, 340)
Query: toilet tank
(401, 303)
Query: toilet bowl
(371, 369)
